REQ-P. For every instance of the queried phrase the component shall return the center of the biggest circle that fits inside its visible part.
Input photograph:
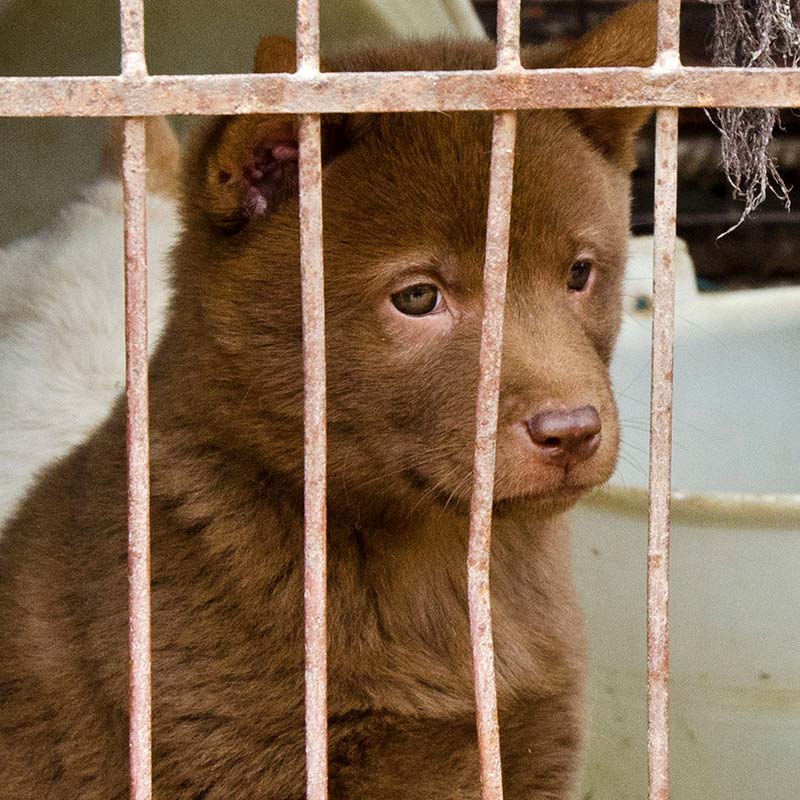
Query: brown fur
(403, 195)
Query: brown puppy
(405, 200)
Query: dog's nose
(564, 438)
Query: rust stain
(494, 290)
(661, 455)
(313, 302)
(668, 34)
(307, 92)
(131, 24)
(508, 17)
(134, 172)
(315, 414)
(307, 37)
(136, 390)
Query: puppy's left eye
(417, 300)
(579, 275)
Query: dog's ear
(244, 167)
(275, 54)
(627, 38)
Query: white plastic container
(735, 551)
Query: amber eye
(416, 300)
(579, 275)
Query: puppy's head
(405, 207)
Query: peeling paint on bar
(494, 292)
(315, 444)
(501, 179)
(307, 36)
(661, 455)
(508, 28)
(134, 172)
(131, 18)
(133, 176)
(668, 35)
(307, 93)
(315, 458)
(659, 482)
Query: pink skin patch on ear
(268, 171)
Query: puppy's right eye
(417, 300)
(579, 275)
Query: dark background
(765, 249)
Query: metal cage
(133, 94)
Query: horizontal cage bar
(305, 93)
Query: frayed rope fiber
(753, 33)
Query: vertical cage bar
(661, 455)
(498, 226)
(136, 390)
(480, 533)
(660, 484)
(668, 36)
(313, 302)
(508, 32)
(131, 18)
(315, 457)
(307, 35)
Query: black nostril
(566, 437)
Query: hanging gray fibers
(753, 33)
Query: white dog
(62, 358)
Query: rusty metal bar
(498, 224)
(668, 34)
(307, 36)
(134, 173)
(480, 532)
(133, 181)
(315, 457)
(508, 14)
(131, 23)
(659, 482)
(315, 453)
(306, 93)
(659, 486)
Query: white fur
(62, 358)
